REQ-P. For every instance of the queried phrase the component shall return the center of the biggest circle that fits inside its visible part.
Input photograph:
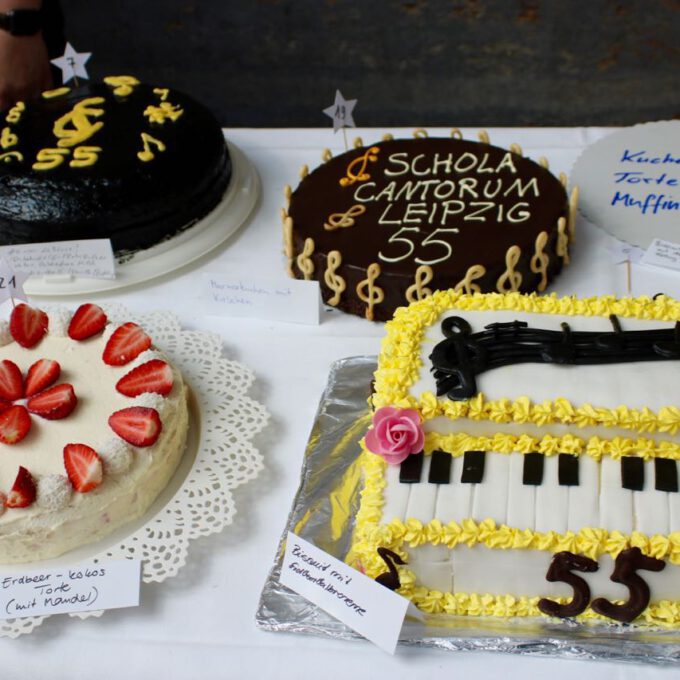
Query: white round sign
(629, 183)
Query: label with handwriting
(240, 294)
(662, 254)
(370, 609)
(91, 258)
(62, 590)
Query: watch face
(24, 21)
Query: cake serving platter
(323, 513)
(219, 457)
(187, 246)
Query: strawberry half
(14, 424)
(41, 375)
(23, 490)
(127, 343)
(153, 376)
(27, 325)
(88, 320)
(11, 382)
(53, 403)
(83, 467)
(137, 425)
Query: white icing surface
(35, 532)
(58, 320)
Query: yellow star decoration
(166, 110)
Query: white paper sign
(662, 254)
(92, 258)
(107, 585)
(359, 602)
(624, 252)
(11, 282)
(261, 298)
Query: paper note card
(624, 252)
(372, 610)
(262, 298)
(92, 258)
(662, 254)
(107, 585)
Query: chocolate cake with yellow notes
(116, 159)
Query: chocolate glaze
(560, 570)
(136, 204)
(320, 194)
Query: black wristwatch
(21, 21)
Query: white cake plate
(207, 234)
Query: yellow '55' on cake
(527, 458)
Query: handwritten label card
(107, 585)
(359, 602)
(662, 254)
(11, 283)
(91, 259)
(261, 298)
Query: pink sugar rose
(396, 433)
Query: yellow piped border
(399, 361)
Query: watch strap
(21, 22)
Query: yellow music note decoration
(352, 177)
(540, 261)
(368, 292)
(333, 280)
(147, 140)
(562, 240)
(123, 86)
(511, 280)
(8, 139)
(304, 259)
(344, 220)
(418, 290)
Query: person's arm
(24, 64)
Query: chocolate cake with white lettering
(116, 159)
(385, 225)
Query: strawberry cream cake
(93, 423)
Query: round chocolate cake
(116, 159)
(385, 225)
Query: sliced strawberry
(137, 425)
(11, 382)
(53, 403)
(14, 424)
(23, 490)
(27, 325)
(127, 343)
(83, 467)
(153, 376)
(41, 375)
(88, 320)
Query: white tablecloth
(201, 623)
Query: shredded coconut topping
(59, 319)
(54, 492)
(116, 456)
(150, 400)
(147, 355)
(5, 336)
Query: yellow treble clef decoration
(352, 177)
(304, 259)
(332, 279)
(75, 127)
(346, 219)
(476, 271)
(418, 290)
(511, 280)
(368, 292)
(540, 261)
(562, 240)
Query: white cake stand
(207, 234)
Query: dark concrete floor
(418, 62)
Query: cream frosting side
(38, 532)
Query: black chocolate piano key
(632, 473)
(409, 472)
(666, 474)
(440, 468)
(567, 469)
(473, 467)
(532, 474)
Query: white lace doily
(225, 456)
